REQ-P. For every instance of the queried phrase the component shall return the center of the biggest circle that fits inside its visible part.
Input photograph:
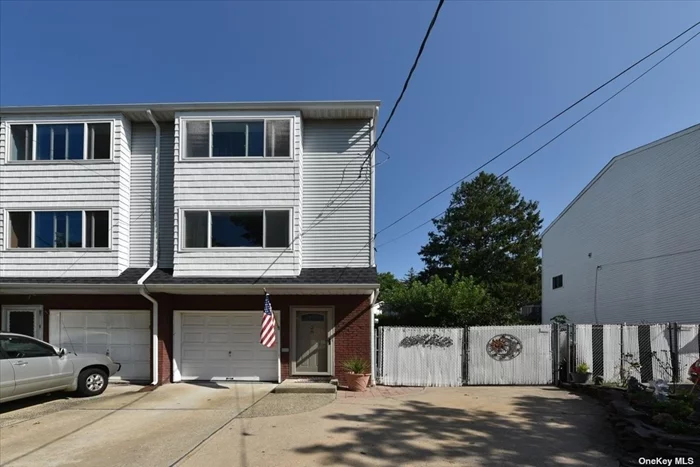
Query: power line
(536, 129)
(405, 84)
(554, 138)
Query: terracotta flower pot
(357, 382)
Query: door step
(306, 386)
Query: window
(237, 229)
(24, 347)
(59, 229)
(55, 142)
(558, 281)
(238, 138)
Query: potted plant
(357, 375)
(582, 374)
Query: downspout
(373, 343)
(154, 249)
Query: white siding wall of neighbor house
(65, 185)
(121, 220)
(165, 199)
(640, 223)
(333, 154)
(237, 184)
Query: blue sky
(490, 73)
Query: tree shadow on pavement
(531, 431)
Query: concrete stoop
(292, 386)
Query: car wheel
(92, 382)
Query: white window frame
(183, 232)
(34, 125)
(8, 229)
(235, 119)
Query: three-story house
(152, 233)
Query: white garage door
(123, 335)
(226, 346)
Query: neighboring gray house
(151, 232)
(627, 248)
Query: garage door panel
(193, 320)
(225, 346)
(92, 319)
(125, 336)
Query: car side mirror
(61, 352)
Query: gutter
(154, 250)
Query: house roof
(615, 159)
(166, 111)
(321, 276)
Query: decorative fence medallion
(426, 340)
(504, 347)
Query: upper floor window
(59, 229)
(220, 229)
(558, 281)
(238, 138)
(69, 141)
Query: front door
(22, 320)
(312, 339)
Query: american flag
(267, 330)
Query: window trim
(8, 230)
(183, 157)
(35, 123)
(181, 230)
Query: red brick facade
(351, 338)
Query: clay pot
(357, 382)
(581, 378)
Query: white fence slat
(422, 356)
(630, 346)
(584, 345)
(660, 336)
(531, 363)
(612, 352)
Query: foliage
(491, 233)
(629, 367)
(680, 427)
(559, 319)
(678, 409)
(583, 368)
(387, 282)
(356, 365)
(438, 302)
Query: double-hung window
(267, 228)
(64, 141)
(238, 138)
(59, 229)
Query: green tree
(459, 302)
(387, 282)
(491, 233)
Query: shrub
(582, 368)
(356, 365)
(678, 409)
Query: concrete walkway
(191, 425)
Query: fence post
(554, 343)
(571, 337)
(622, 353)
(465, 356)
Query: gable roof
(617, 158)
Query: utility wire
(551, 140)
(537, 129)
(405, 84)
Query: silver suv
(29, 367)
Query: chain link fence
(612, 353)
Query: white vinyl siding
(67, 185)
(166, 210)
(249, 183)
(142, 149)
(643, 206)
(342, 237)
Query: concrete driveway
(193, 426)
(128, 425)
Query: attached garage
(124, 335)
(223, 346)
